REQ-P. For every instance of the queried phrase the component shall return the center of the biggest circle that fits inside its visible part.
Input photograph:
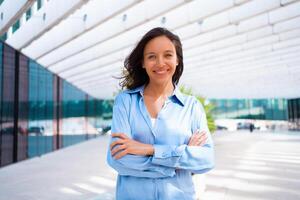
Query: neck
(159, 90)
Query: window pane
(8, 111)
(23, 108)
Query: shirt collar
(177, 95)
(139, 89)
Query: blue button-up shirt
(167, 174)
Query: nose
(160, 62)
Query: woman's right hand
(198, 138)
(125, 145)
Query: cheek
(172, 63)
(149, 64)
(173, 66)
(148, 70)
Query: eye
(151, 57)
(169, 55)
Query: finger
(117, 142)
(202, 132)
(197, 138)
(194, 139)
(203, 141)
(120, 135)
(118, 149)
(120, 154)
(193, 143)
(116, 134)
(202, 135)
(199, 131)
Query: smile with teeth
(161, 71)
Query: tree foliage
(208, 107)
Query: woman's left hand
(125, 145)
(198, 138)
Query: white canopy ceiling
(232, 48)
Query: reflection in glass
(43, 112)
(269, 109)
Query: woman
(158, 134)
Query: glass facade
(266, 109)
(40, 130)
(3, 37)
(74, 115)
(294, 114)
(40, 112)
(22, 107)
(7, 105)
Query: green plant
(207, 107)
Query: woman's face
(160, 60)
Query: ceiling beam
(11, 11)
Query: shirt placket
(146, 115)
(160, 115)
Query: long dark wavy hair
(134, 75)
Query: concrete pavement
(74, 173)
(257, 166)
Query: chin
(162, 80)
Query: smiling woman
(160, 60)
(159, 135)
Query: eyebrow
(168, 51)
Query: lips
(161, 71)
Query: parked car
(245, 125)
(10, 130)
(221, 127)
(36, 130)
(106, 129)
(103, 129)
(241, 125)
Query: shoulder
(126, 96)
(189, 100)
(122, 98)
(193, 102)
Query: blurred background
(58, 60)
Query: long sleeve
(132, 165)
(198, 159)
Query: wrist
(149, 150)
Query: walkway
(257, 166)
(78, 172)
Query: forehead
(158, 44)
